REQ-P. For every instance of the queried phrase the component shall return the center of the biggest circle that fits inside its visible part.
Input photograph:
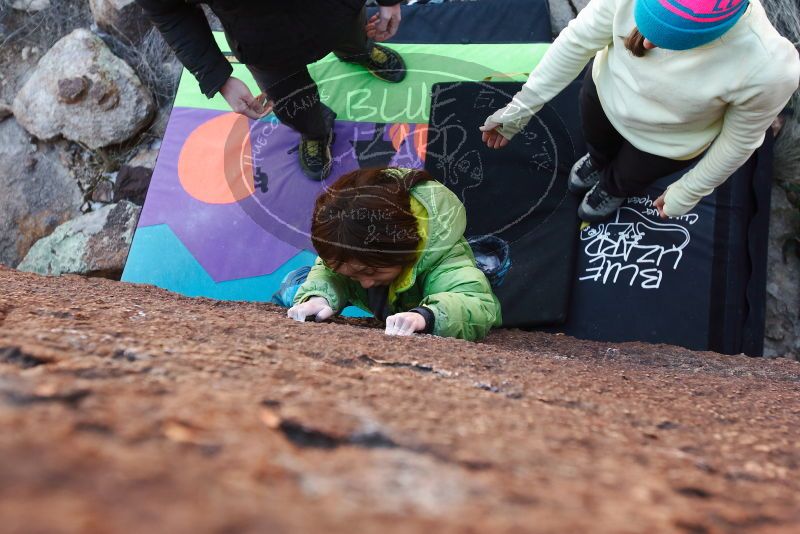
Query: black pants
(294, 93)
(626, 169)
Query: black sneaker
(385, 64)
(315, 157)
(598, 205)
(583, 176)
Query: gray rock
(5, 111)
(563, 11)
(84, 92)
(38, 192)
(94, 243)
(145, 157)
(782, 336)
(30, 5)
(103, 192)
(122, 18)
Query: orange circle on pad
(215, 165)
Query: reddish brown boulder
(127, 408)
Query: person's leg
(290, 284)
(297, 104)
(296, 100)
(632, 171)
(356, 47)
(602, 139)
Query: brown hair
(366, 216)
(635, 43)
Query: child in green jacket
(391, 241)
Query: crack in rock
(573, 7)
(4, 311)
(414, 366)
(70, 398)
(571, 404)
(691, 491)
(511, 394)
(305, 436)
(16, 356)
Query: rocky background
(85, 93)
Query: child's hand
(659, 204)
(317, 306)
(491, 136)
(404, 324)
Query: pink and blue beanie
(685, 24)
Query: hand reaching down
(383, 24)
(491, 136)
(315, 306)
(404, 324)
(659, 204)
(242, 101)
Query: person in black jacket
(276, 40)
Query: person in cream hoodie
(673, 83)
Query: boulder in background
(38, 192)
(121, 18)
(563, 11)
(30, 5)
(133, 179)
(782, 336)
(82, 91)
(94, 244)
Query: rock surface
(127, 408)
(145, 158)
(5, 111)
(84, 92)
(122, 18)
(782, 336)
(38, 192)
(30, 5)
(95, 243)
(563, 11)
(132, 184)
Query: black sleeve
(427, 314)
(186, 30)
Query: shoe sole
(585, 217)
(574, 184)
(576, 187)
(317, 177)
(589, 218)
(375, 73)
(381, 78)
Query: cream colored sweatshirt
(721, 96)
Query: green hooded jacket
(444, 278)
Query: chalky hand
(404, 324)
(316, 306)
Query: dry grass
(43, 28)
(785, 16)
(153, 61)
